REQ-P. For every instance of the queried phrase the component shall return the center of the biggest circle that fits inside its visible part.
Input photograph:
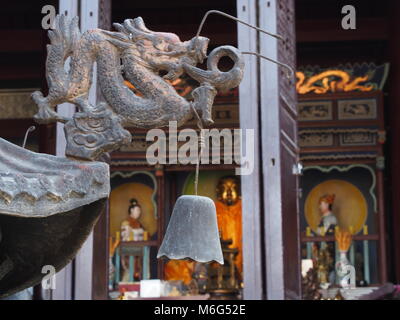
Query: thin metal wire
(290, 70)
(277, 36)
(30, 129)
(202, 145)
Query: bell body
(192, 231)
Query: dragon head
(198, 48)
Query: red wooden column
(394, 132)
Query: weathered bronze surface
(28, 244)
(39, 185)
(192, 231)
(48, 206)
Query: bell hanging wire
(192, 232)
(202, 146)
(289, 69)
(277, 36)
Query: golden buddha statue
(229, 214)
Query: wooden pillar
(251, 184)
(100, 264)
(64, 278)
(271, 247)
(279, 151)
(47, 144)
(75, 281)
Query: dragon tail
(64, 39)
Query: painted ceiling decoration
(363, 77)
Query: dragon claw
(45, 114)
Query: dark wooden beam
(218, 33)
(330, 30)
(14, 72)
(21, 40)
(15, 128)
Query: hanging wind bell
(193, 230)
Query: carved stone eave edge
(41, 185)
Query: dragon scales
(138, 55)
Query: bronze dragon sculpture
(138, 55)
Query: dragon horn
(136, 33)
(119, 27)
(120, 40)
(139, 24)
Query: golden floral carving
(329, 84)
